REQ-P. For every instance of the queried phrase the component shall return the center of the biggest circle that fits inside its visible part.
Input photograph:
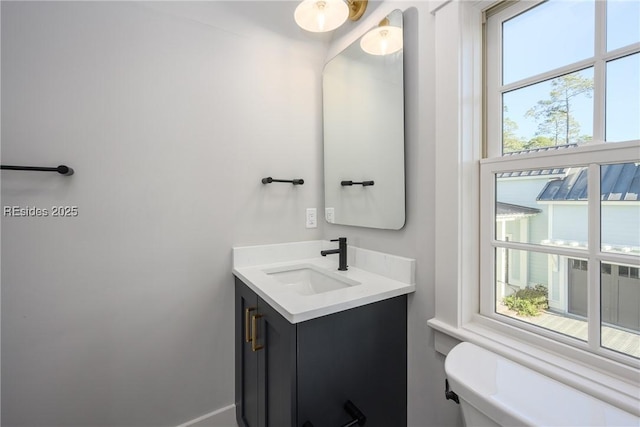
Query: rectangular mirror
(363, 107)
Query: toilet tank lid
(472, 369)
(505, 390)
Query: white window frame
(597, 62)
(459, 106)
(593, 155)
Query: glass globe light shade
(383, 40)
(321, 15)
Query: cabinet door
(358, 355)
(246, 302)
(276, 368)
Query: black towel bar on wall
(269, 180)
(62, 169)
(363, 183)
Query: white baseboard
(223, 417)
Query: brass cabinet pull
(254, 333)
(247, 333)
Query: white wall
(427, 405)
(170, 114)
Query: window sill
(621, 389)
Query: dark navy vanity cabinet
(303, 374)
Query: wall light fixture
(384, 39)
(325, 15)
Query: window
(560, 181)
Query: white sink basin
(307, 279)
(302, 285)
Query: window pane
(623, 23)
(548, 36)
(554, 112)
(620, 208)
(543, 206)
(623, 99)
(545, 290)
(620, 308)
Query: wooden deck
(616, 339)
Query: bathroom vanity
(309, 339)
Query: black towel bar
(269, 180)
(62, 169)
(363, 183)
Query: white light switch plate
(330, 215)
(312, 218)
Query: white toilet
(494, 391)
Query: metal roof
(539, 149)
(536, 172)
(619, 182)
(510, 210)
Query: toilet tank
(513, 395)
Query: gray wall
(170, 115)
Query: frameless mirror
(363, 107)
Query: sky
(558, 33)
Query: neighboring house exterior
(549, 207)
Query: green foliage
(510, 141)
(528, 301)
(553, 115)
(539, 141)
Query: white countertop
(380, 276)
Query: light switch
(329, 215)
(312, 218)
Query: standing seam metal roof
(508, 209)
(619, 182)
(536, 172)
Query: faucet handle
(339, 239)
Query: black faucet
(341, 251)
